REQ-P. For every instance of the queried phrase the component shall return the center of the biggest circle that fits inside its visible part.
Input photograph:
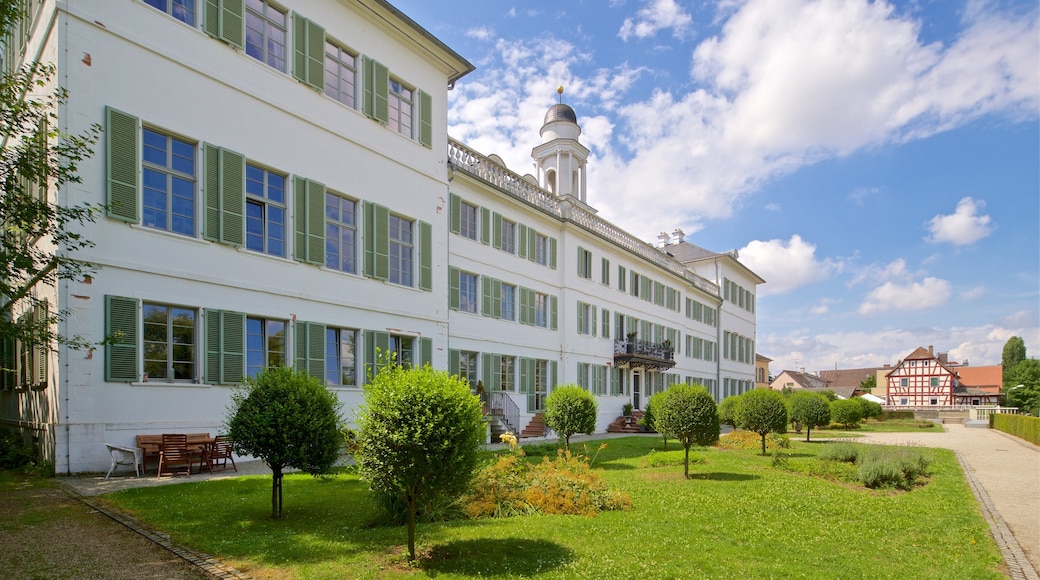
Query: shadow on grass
(723, 476)
(493, 557)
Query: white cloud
(657, 15)
(785, 265)
(973, 293)
(481, 33)
(892, 296)
(963, 227)
(895, 270)
(772, 206)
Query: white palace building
(280, 188)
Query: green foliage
(762, 411)
(728, 410)
(847, 412)
(869, 409)
(1026, 397)
(810, 410)
(868, 384)
(1021, 426)
(840, 451)
(688, 413)
(896, 416)
(1014, 353)
(668, 459)
(15, 453)
(288, 419)
(898, 467)
(565, 485)
(650, 415)
(419, 437)
(570, 409)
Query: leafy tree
(1026, 397)
(728, 410)
(762, 411)
(570, 409)
(848, 412)
(419, 438)
(1014, 353)
(650, 416)
(688, 412)
(38, 238)
(811, 410)
(288, 419)
(868, 384)
(869, 409)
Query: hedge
(1021, 426)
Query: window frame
(468, 294)
(469, 221)
(252, 16)
(170, 176)
(401, 270)
(396, 99)
(340, 65)
(169, 344)
(507, 240)
(507, 308)
(340, 226)
(267, 341)
(170, 7)
(267, 204)
(334, 355)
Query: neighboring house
(762, 376)
(798, 380)
(923, 379)
(291, 196)
(849, 377)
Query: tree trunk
(686, 464)
(808, 430)
(411, 527)
(276, 493)
(763, 443)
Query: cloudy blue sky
(878, 163)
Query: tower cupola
(561, 159)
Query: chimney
(662, 239)
(931, 351)
(678, 236)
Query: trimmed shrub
(570, 409)
(1021, 426)
(847, 412)
(810, 410)
(869, 409)
(689, 415)
(840, 451)
(728, 410)
(896, 415)
(898, 467)
(649, 421)
(748, 441)
(878, 472)
(762, 411)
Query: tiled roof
(849, 377)
(804, 380)
(985, 377)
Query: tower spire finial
(559, 93)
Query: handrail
(469, 161)
(656, 350)
(509, 411)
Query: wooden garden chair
(220, 451)
(175, 453)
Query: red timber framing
(920, 380)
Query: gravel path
(1007, 469)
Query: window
(621, 278)
(183, 10)
(507, 373)
(508, 300)
(402, 347)
(265, 211)
(933, 401)
(604, 272)
(586, 318)
(904, 382)
(169, 342)
(168, 179)
(508, 239)
(340, 357)
(265, 344)
(584, 263)
(468, 368)
(468, 215)
(265, 33)
(340, 74)
(903, 401)
(467, 292)
(541, 249)
(400, 104)
(340, 233)
(401, 251)
(935, 381)
(541, 309)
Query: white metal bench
(125, 456)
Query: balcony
(642, 354)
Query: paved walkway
(1004, 472)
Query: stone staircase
(498, 425)
(627, 424)
(536, 428)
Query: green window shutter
(300, 344)
(521, 246)
(621, 277)
(121, 328)
(605, 332)
(496, 231)
(455, 210)
(552, 253)
(377, 241)
(496, 299)
(425, 351)
(526, 306)
(486, 295)
(552, 312)
(592, 324)
(425, 119)
(308, 52)
(487, 371)
(224, 19)
(532, 245)
(454, 360)
(453, 288)
(212, 346)
(552, 374)
(211, 184)
(316, 350)
(232, 346)
(376, 342)
(425, 256)
(299, 218)
(232, 198)
(377, 87)
(526, 375)
(485, 226)
(122, 150)
(581, 317)
(309, 221)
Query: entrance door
(635, 389)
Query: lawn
(873, 426)
(738, 516)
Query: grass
(873, 426)
(736, 516)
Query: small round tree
(650, 416)
(288, 419)
(688, 412)
(869, 409)
(728, 410)
(762, 411)
(811, 410)
(846, 411)
(570, 409)
(419, 437)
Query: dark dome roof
(560, 112)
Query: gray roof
(560, 112)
